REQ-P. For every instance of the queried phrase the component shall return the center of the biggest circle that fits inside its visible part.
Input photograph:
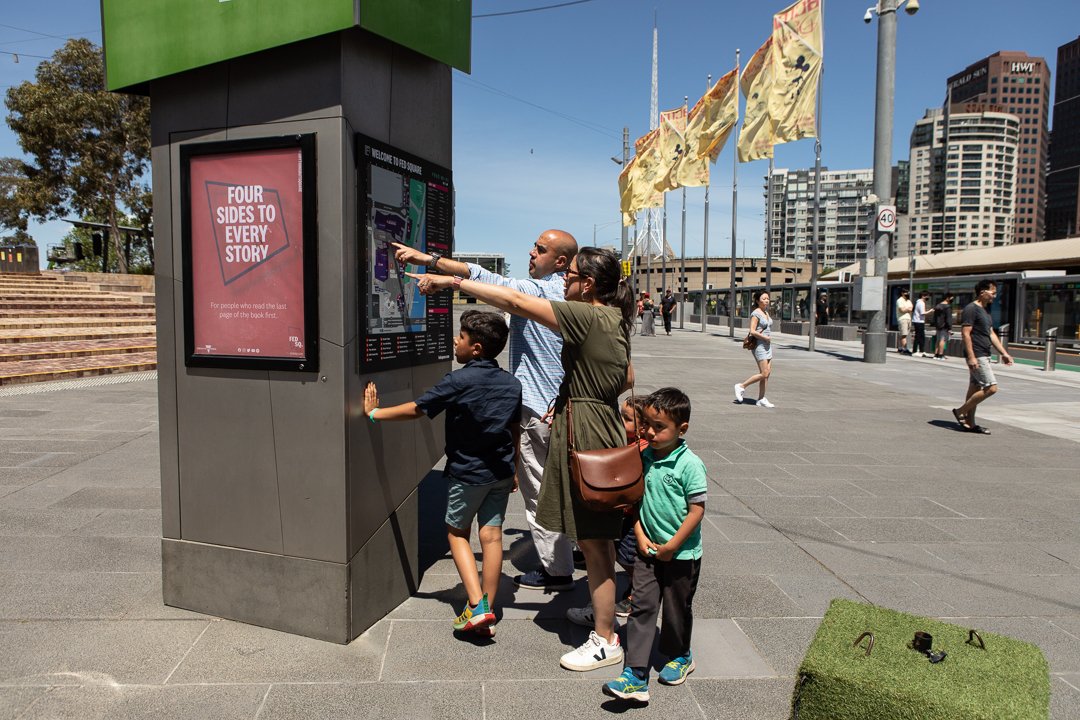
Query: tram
(1030, 302)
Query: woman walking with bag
(761, 331)
(595, 326)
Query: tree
(88, 148)
(11, 216)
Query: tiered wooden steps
(59, 326)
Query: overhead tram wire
(532, 10)
(600, 129)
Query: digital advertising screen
(407, 200)
(249, 254)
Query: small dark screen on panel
(403, 199)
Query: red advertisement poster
(245, 255)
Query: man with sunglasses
(979, 336)
(535, 360)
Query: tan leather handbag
(608, 479)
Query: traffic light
(626, 268)
(95, 240)
(78, 250)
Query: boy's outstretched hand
(371, 398)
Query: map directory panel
(250, 289)
(406, 200)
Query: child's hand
(371, 398)
(514, 489)
(645, 545)
(664, 553)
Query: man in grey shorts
(979, 336)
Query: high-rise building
(1063, 177)
(1015, 83)
(844, 220)
(963, 180)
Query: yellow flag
(756, 140)
(796, 60)
(671, 145)
(713, 117)
(626, 192)
(647, 173)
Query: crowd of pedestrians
(569, 334)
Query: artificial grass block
(1009, 680)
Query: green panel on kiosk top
(150, 39)
(440, 29)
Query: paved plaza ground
(858, 485)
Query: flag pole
(681, 285)
(817, 220)
(734, 214)
(705, 249)
(663, 252)
(768, 231)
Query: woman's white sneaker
(764, 402)
(739, 390)
(594, 653)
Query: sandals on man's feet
(962, 419)
(979, 429)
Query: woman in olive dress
(595, 325)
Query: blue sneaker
(473, 617)
(675, 672)
(628, 687)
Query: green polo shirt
(670, 484)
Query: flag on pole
(796, 61)
(756, 139)
(626, 193)
(713, 117)
(671, 145)
(646, 173)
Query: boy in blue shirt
(483, 407)
(669, 544)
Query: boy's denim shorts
(486, 503)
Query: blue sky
(543, 110)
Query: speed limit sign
(886, 218)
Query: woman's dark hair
(611, 289)
(758, 294)
(486, 328)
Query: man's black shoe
(540, 580)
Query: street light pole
(875, 346)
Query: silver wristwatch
(435, 257)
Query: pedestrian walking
(904, 307)
(942, 325)
(822, 309)
(760, 330)
(667, 310)
(918, 323)
(535, 361)
(648, 316)
(979, 337)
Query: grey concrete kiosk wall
(282, 505)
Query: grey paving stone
(764, 457)
(574, 698)
(462, 700)
(25, 475)
(813, 594)
(75, 595)
(80, 554)
(769, 507)
(15, 700)
(93, 652)
(751, 699)
(38, 495)
(81, 476)
(743, 486)
(895, 508)
(781, 641)
(122, 523)
(775, 558)
(916, 594)
(1003, 558)
(1008, 595)
(231, 652)
(846, 559)
(25, 521)
(799, 529)
(126, 498)
(1064, 697)
(784, 485)
(745, 529)
(886, 530)
(728, 507)
(838, 458)
(42, 459)
(828, 472)
(1041, 532)
(728, 596)
(722, 650)
(224, 702)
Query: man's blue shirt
(535, 351)
(482, 404)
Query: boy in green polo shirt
(668, 534)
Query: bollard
(1050, 359)
(1003, 336)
